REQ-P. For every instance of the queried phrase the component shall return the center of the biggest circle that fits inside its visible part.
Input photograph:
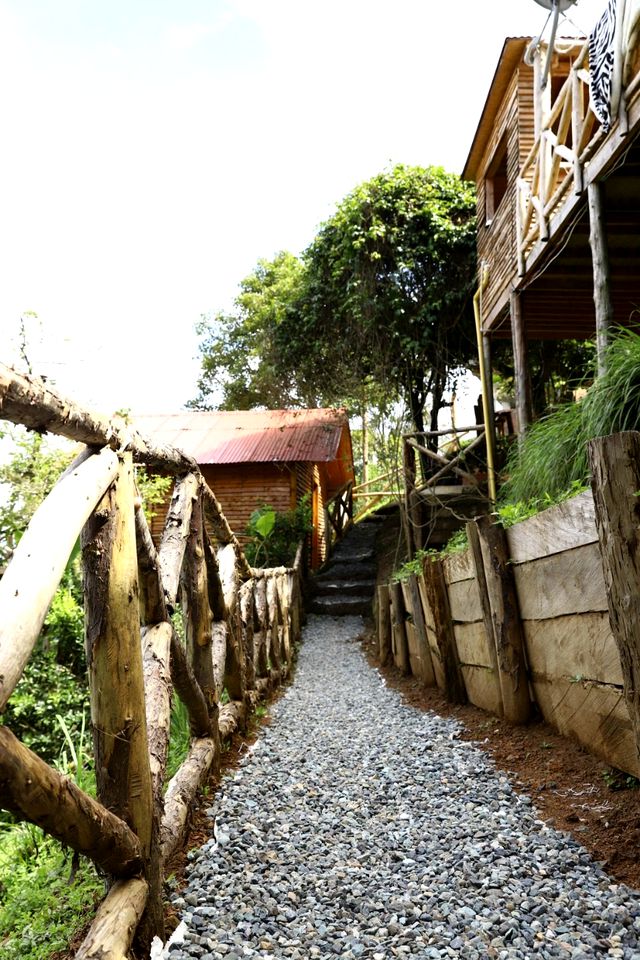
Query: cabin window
(495, 184)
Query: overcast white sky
(153, 150)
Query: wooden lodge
(275, 457)
(558, 194)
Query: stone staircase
(346, 583)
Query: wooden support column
(114, 660)
(384, 625)
(398, 630)
(615, 472)
(601, 271)
(438, 598)
(413, 592)
(476, 552)
(409, 465)
(505, 618)
(520, 362)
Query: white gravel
(359, 826)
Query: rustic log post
(32, 577)
(234, 669)
(38, 793)
(436, 588)
(521, 366)
(398, 630)
(615, 472)
(384, 625)
(273, 625)
(156, 647)
(176, 533)
(181, 792)
(153, 606)
(505, 617)
(115, 923)
(114, 659)
(246, 619)
(196, 610)
(428, 675)
(261, 653)
(409, 470)
(476, 552)
(601, 271)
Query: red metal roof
(249, 436)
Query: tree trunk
(615, 471)
(114, 659)
(505, 617)
(118, 916)
(32, 577)
(32, 789)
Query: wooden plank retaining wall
(573, 667)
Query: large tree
(387, 289)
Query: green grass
(179, 737)
(41, 906)
(552, 459)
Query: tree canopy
(382, 296)
(240, 368)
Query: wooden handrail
(242, 630)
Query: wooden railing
(240, 624)
(386, 490)
(569, 136)
(339, 513)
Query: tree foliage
(240, 367)
(387, 287)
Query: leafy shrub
(552, 458)
(275, 536)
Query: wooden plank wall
(572, 658)
(480, 679)
(497, 240)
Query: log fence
(241, 627)
(542, 615)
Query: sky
(154, 150)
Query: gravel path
(360, 827)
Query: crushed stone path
(360, 827)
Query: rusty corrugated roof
(249, 436)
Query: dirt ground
(572, 790)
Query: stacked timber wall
(530, 629)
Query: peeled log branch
(232, 717)
(152, 601)
(196, 610)
(37, 792)
(156, 644)
(221, 529)
(188, 689)
(176, 534)
(228, 576)
(29, 401)
(39, 561)
(118, 916)
(181, 792)
(214, 587)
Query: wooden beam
(436, 589)
(417, 615)
(521, 367)
(181, 792)
(36, 792)
(176, 534)
(384, 625)
(32, 577)
(398, 629)
(111, 933)
(476, 553)
(615, 471)
(601, 271)
(505, 618)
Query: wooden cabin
(275, 457)
(558, 199)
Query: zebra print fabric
(605, 65)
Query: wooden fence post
(436, 587)
(428, 674)
(114, 659)
(476, 552)
(384, 625)
(398, 630)
(615, 471)
(506, 623)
